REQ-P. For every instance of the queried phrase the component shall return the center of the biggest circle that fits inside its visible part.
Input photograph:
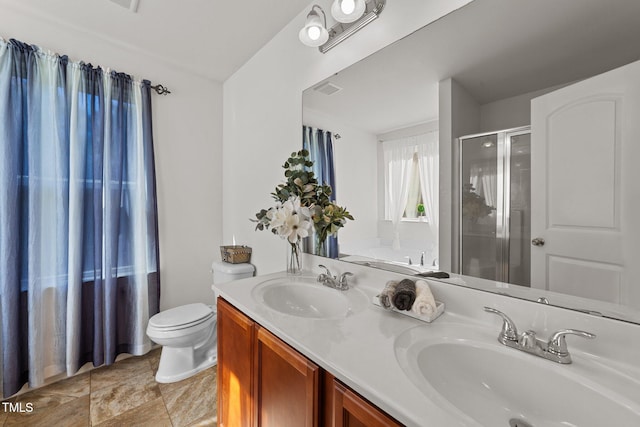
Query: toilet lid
(177, 317)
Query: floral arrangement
(301, 202)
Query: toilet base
(177, 364)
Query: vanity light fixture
(352, 15)
(314, 33)
(347, 11)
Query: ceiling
(210, 38)
(494, 48)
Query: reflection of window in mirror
(411, 178)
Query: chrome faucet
(332, 281)
(554, 349)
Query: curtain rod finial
(161, 90)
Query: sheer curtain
(398, 158)
(484, 178)
(428, 163)
(78, 227)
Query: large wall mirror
(500, 142)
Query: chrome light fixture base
(340, 32)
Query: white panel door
(585, 171)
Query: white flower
(290, 219)
(294, 204)
(296, 227)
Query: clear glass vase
(320, 246)
(294, 258)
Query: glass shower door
(478, 206)
(495, 212)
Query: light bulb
(347, 6)
(347, 11)
(313, 32)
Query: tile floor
(123, 394)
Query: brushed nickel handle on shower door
(538, 241)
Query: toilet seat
(182, 317)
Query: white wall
(510, 112)
(459, 116)
(188, 132)
(355, 161)
(262, 112)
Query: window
(411, 178)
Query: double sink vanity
(292, 351)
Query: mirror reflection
(496, 142)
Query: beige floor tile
(129, 393)
(152, 413)
(191, 400)
(153, 357)
(123, 394)
(108, 376)
(71, 413)
(41, 400)
(75, 386)
(4, 414)
(207, 421)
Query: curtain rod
(161, 90)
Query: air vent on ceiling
(132, 5)
(327, 88)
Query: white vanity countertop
(358, 349)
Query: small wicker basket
(235, 254)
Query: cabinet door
(286, 384)
(235, 367)
(344, 408)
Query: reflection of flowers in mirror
(473, 204)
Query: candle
(234, 240)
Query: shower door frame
(503, 198)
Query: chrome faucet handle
(558, 345)
(327, 270)
(343, 280)
(509, 331)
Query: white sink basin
(488, 384)
(305, 297)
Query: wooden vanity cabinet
(287, 386)
(235, 367)
(345, 408)
(263, 382)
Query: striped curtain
(319, 144)
(78, 218)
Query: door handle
(538, 241)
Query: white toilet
(188, 333)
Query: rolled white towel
(425, 304)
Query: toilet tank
(227, 272)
